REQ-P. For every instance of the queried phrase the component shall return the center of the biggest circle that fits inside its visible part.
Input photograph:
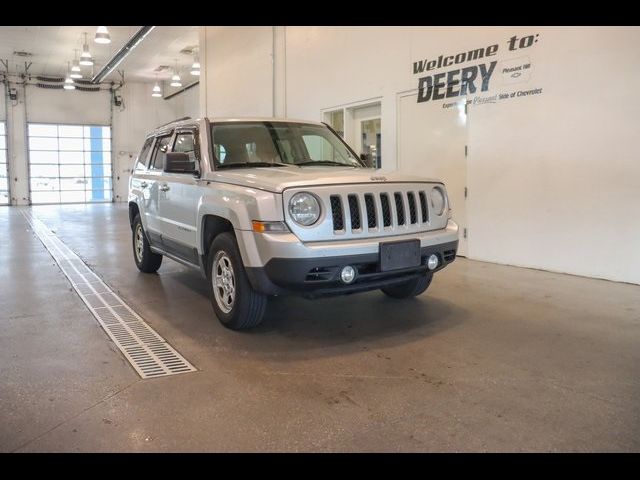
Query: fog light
(432, 263)
(348, 274)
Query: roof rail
(174, 121)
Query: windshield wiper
(251, 165)
(325, 162)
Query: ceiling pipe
(183, 89)
(122, 53)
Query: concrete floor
(491, 358)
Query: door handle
(144, 185)
(164, 187)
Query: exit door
(432, 142)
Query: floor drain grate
(149, 354)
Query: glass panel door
(70, 163)
(371, 135)
(4, 177)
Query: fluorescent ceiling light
(75, 67)
(156, 91)
(68, 84)
(85, 56)
(195, 68)
(175, 81)
(102, 35)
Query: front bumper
(313, 269)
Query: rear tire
(146, 260)
(236, 304)
(409, 289)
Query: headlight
(437, 200)
(304, 209)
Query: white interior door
(431, 142)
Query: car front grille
(372, 221)
(354, 211)
(386, 209)
(369, 210)
(336, 212)
(408, 208)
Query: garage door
(431, 142)
(4, 180)
(69, 163)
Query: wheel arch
(210, 227)
(133, 211)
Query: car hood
(277, 179)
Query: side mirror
(179, 162)
(366, 159)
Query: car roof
(189, 122)
(261, 119)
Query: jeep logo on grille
(379, 179)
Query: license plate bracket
(399, 255)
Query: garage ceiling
(51, 47)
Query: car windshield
(277, 144)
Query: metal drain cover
(149, 354)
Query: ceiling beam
(122, 54)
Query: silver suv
(266, 206)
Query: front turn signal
(269, 227)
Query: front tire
(236, 304)
(412, 288)
(146, 260)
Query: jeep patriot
(266, 206)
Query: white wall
(17, 148)
(139, 114)
(62, 106)
(3, 101)
(241, 83)
(557, 178)
(554, 179)
(186, 103)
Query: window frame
(145, 163)
(171, 135)
(196, 146)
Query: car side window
(162, 145)
(141, 161)
(185, 143)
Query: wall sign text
(464, 80)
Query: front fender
(240, 206)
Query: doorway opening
(432, 142)
(371, 139)
(361, 127)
